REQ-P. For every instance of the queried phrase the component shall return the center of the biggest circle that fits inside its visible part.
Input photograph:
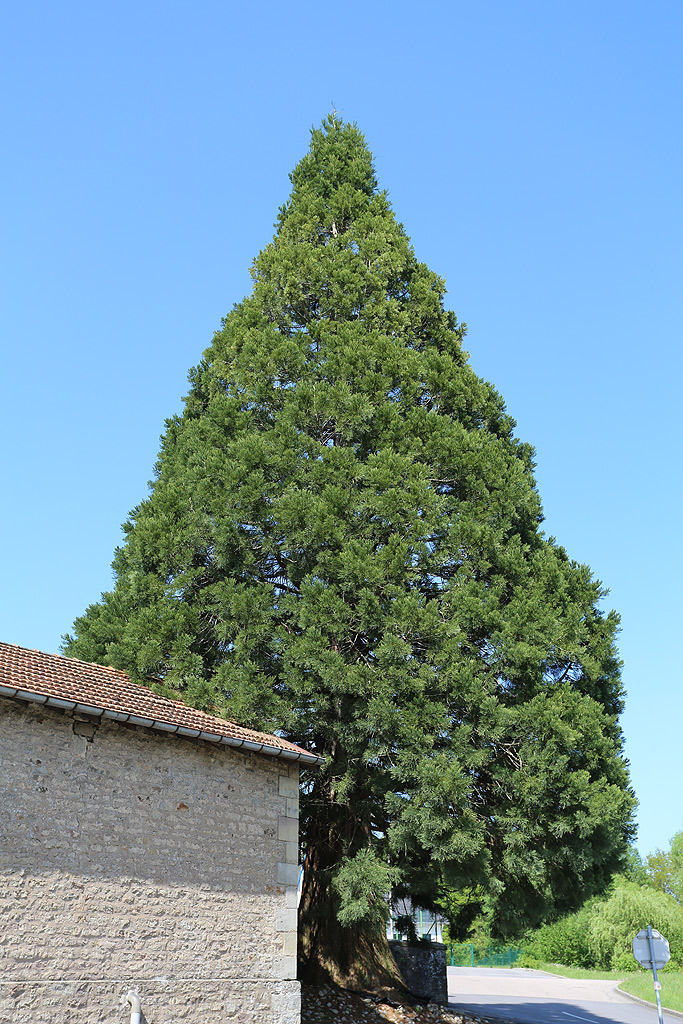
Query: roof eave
(150, 723)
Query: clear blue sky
(533, 152)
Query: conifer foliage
(342, 542)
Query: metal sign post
(651, 950)
(654, 974)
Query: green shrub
(629, 908)
(600, 934)
(567, 941)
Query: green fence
(465, 954)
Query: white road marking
(589, 1019)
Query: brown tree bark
(356, 957)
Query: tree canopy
(342, 542)
(665, 868)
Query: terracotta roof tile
(36, 675)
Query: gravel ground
(327, 1005)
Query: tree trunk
(356, 957)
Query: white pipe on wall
(134, 1000)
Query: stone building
(145, 847)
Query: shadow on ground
(548, 1011)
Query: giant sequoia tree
(342, 542)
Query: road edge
(646, 1002)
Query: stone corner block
(286, 1004)
(287, 829)
(285, 920)
(292, 807)
(288, 786)
(285, 968)
(287, 998)
(287, 874)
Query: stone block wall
(423, 968)
(134, 860)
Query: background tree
(342, 542)
(634, 869)
(665, 868)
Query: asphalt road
(534, 997)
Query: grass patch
(638, 982)
(640, 985)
